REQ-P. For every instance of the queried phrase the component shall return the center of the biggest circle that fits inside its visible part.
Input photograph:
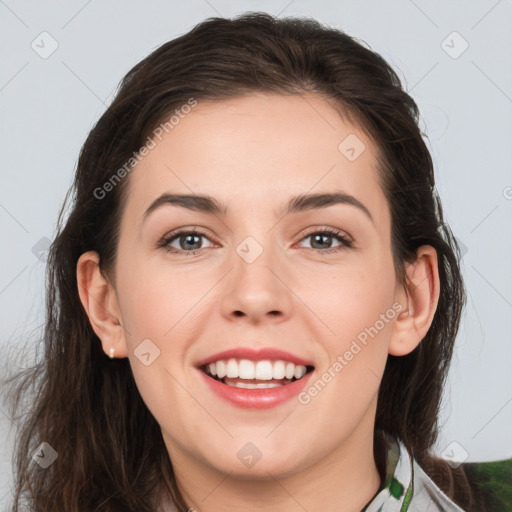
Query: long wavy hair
(111, 454)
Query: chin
(251, 464)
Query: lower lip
(262, 398)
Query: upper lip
(255, 355)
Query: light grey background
(48, 105)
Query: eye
(325, 236)
(188, 241)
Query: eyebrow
(297, 204)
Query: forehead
(256, 151)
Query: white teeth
(279, 370)
(268, 385)
(221, 369)
(263, 370)
(232, 369)
(259, 385)
(246, 369)
(290, 370)
(300, 371)
(260, 370)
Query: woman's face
(263, 280)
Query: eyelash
(345, 241)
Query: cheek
(347, 383)
(158, 297)
(350, 299)
(356, 308)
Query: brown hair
(111, 454)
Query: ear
(419, 296)
(99, 300)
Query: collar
(406, 486)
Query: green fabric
(407, 499)
(396, 488)
(494, 479)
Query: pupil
(320, 236)
(189, 237)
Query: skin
(254, 153)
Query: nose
(258, 290)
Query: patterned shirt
(406, 486)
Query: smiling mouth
(247, 374)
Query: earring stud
(111, 355)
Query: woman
(257, 369)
